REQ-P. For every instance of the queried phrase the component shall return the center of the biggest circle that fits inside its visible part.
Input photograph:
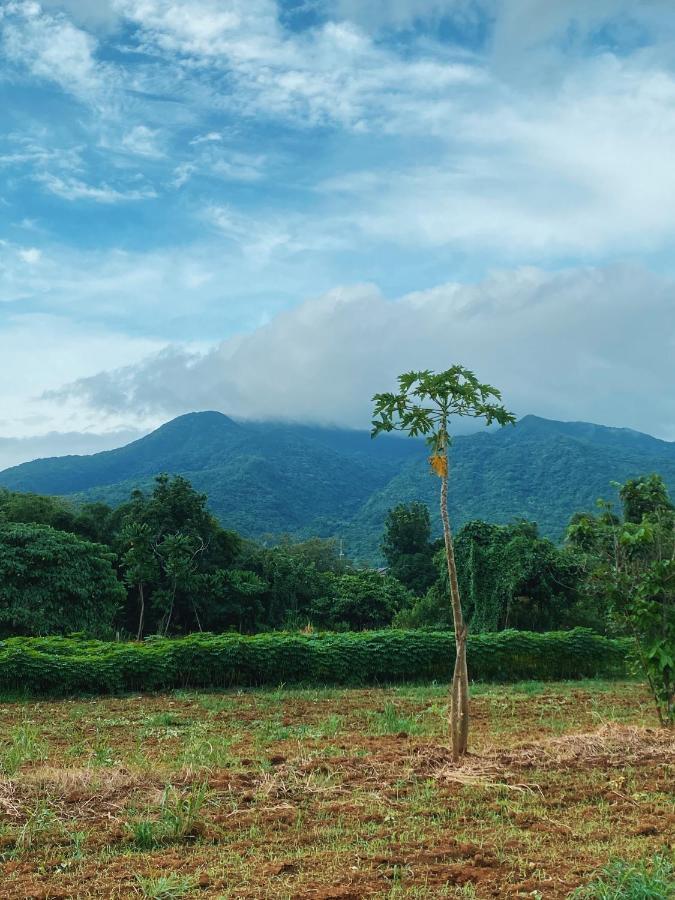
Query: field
(330, 793)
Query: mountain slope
(269, 478)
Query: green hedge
(71, 665)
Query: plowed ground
(330, 793)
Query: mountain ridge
(269, 478)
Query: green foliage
(73, 666)
(169, 541)
(632, 564)
(654, 880)
(509, 577)
(359, 600)
(644, 496)
(52, 582)
(407, 546)
(454, 392)
(165, 887)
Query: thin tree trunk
(141, 616)
(459, 698)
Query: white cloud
(555, 343)
(51, 48)
(41, 350)
(30, 255)
(207, 138)
(142, 141)
(75, 189)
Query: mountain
(264, 479)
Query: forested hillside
(265, 479)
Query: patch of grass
(25, 745)
(165, 720)
(39, 822)
(145, 834)
(653, 880)
(390, 721)
(206, 751)
(166, 887)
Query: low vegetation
(306, 793)
(73, 665)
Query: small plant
(24, 746)
(40, 820)
(79, 839)
(390, 721)
(180, 811)
(166, 887)
(633, 881)
(145, 834)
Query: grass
(300, 793)
(166, 887)
(652, 880)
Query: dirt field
(330, 793)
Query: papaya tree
(424, 405)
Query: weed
(145, 834)
(633, 881)
(390, 721)
(166, 887)
(24, 746)
(39, 822)
(180, 811)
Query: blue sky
(271, 208)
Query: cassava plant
(424, 405)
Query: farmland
(331, 793)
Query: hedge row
(71, 666)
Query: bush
(72, 665)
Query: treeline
(161, 564)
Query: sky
(273, 207)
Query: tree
(509, 577)
(632, 564)
(166, 539)
(644, 496)
(424, 405)
(407, 546)
(52, 582)
(139, 563)
(360, 600)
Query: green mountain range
(268, 479)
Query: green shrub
(71, 665)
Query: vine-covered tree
(424, 405)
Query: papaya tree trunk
(459, 697)
(141, 615)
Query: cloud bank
(554, 343)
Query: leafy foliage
(408, 548)
(509, 577)
(52, 582)
(632, 563)
(359, 600)
(70, 666)
(653, 880)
